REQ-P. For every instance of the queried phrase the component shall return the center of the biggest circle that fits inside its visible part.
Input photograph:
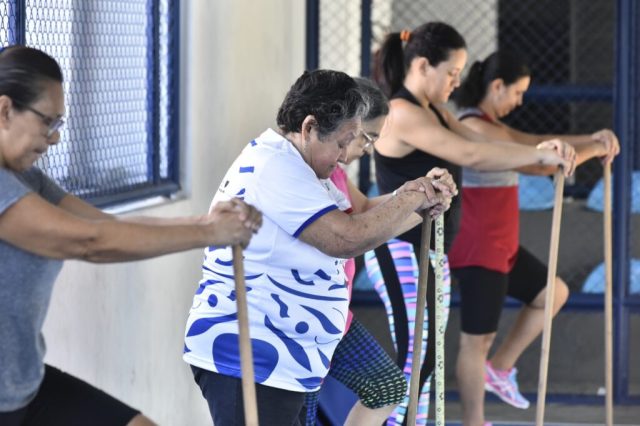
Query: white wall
(120, 327)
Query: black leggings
(64, 400)
(482, 291)
(276, 407)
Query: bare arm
(441, 181)
(342, 235)
(76, 206)
(460, 145)
(586, 144)
(361, 203)
(584, 151)
(533, 139)
(39, 227)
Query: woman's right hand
(438, 192)
(232, 222)
(610, 143)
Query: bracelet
(394, 193)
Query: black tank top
(392, 172)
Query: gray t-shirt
(26, 282)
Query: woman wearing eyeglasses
(41, 225)
(359, 362)
(294, 266)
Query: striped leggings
(393, 270)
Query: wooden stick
(418, 330)
(608, 298)
(551, 287)
(440, 322)
(246, 356)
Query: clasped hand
(610, 142)
(438, 187)
(234, 222)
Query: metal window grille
(120, 64)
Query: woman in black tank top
(419, 70)
(390, 170)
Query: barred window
(120, 65)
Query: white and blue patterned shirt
(297, 297)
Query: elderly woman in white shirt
(297, 295)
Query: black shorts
(64, 400)
(276, 407)
(482, 291)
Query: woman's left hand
(440, 208)
(564, 150)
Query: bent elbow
(342, 247)
(341, 251)
(85, 250)
(92, 248)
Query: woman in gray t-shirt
(41, 225)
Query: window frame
(155, 185)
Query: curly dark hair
(330, 96)
(377, 102)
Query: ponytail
(389, 67)
(472, 89)
(502, 64)
(433, 40)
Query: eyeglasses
(368, 145)
(53, 123)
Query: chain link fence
(119, 64)
(7, 17)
